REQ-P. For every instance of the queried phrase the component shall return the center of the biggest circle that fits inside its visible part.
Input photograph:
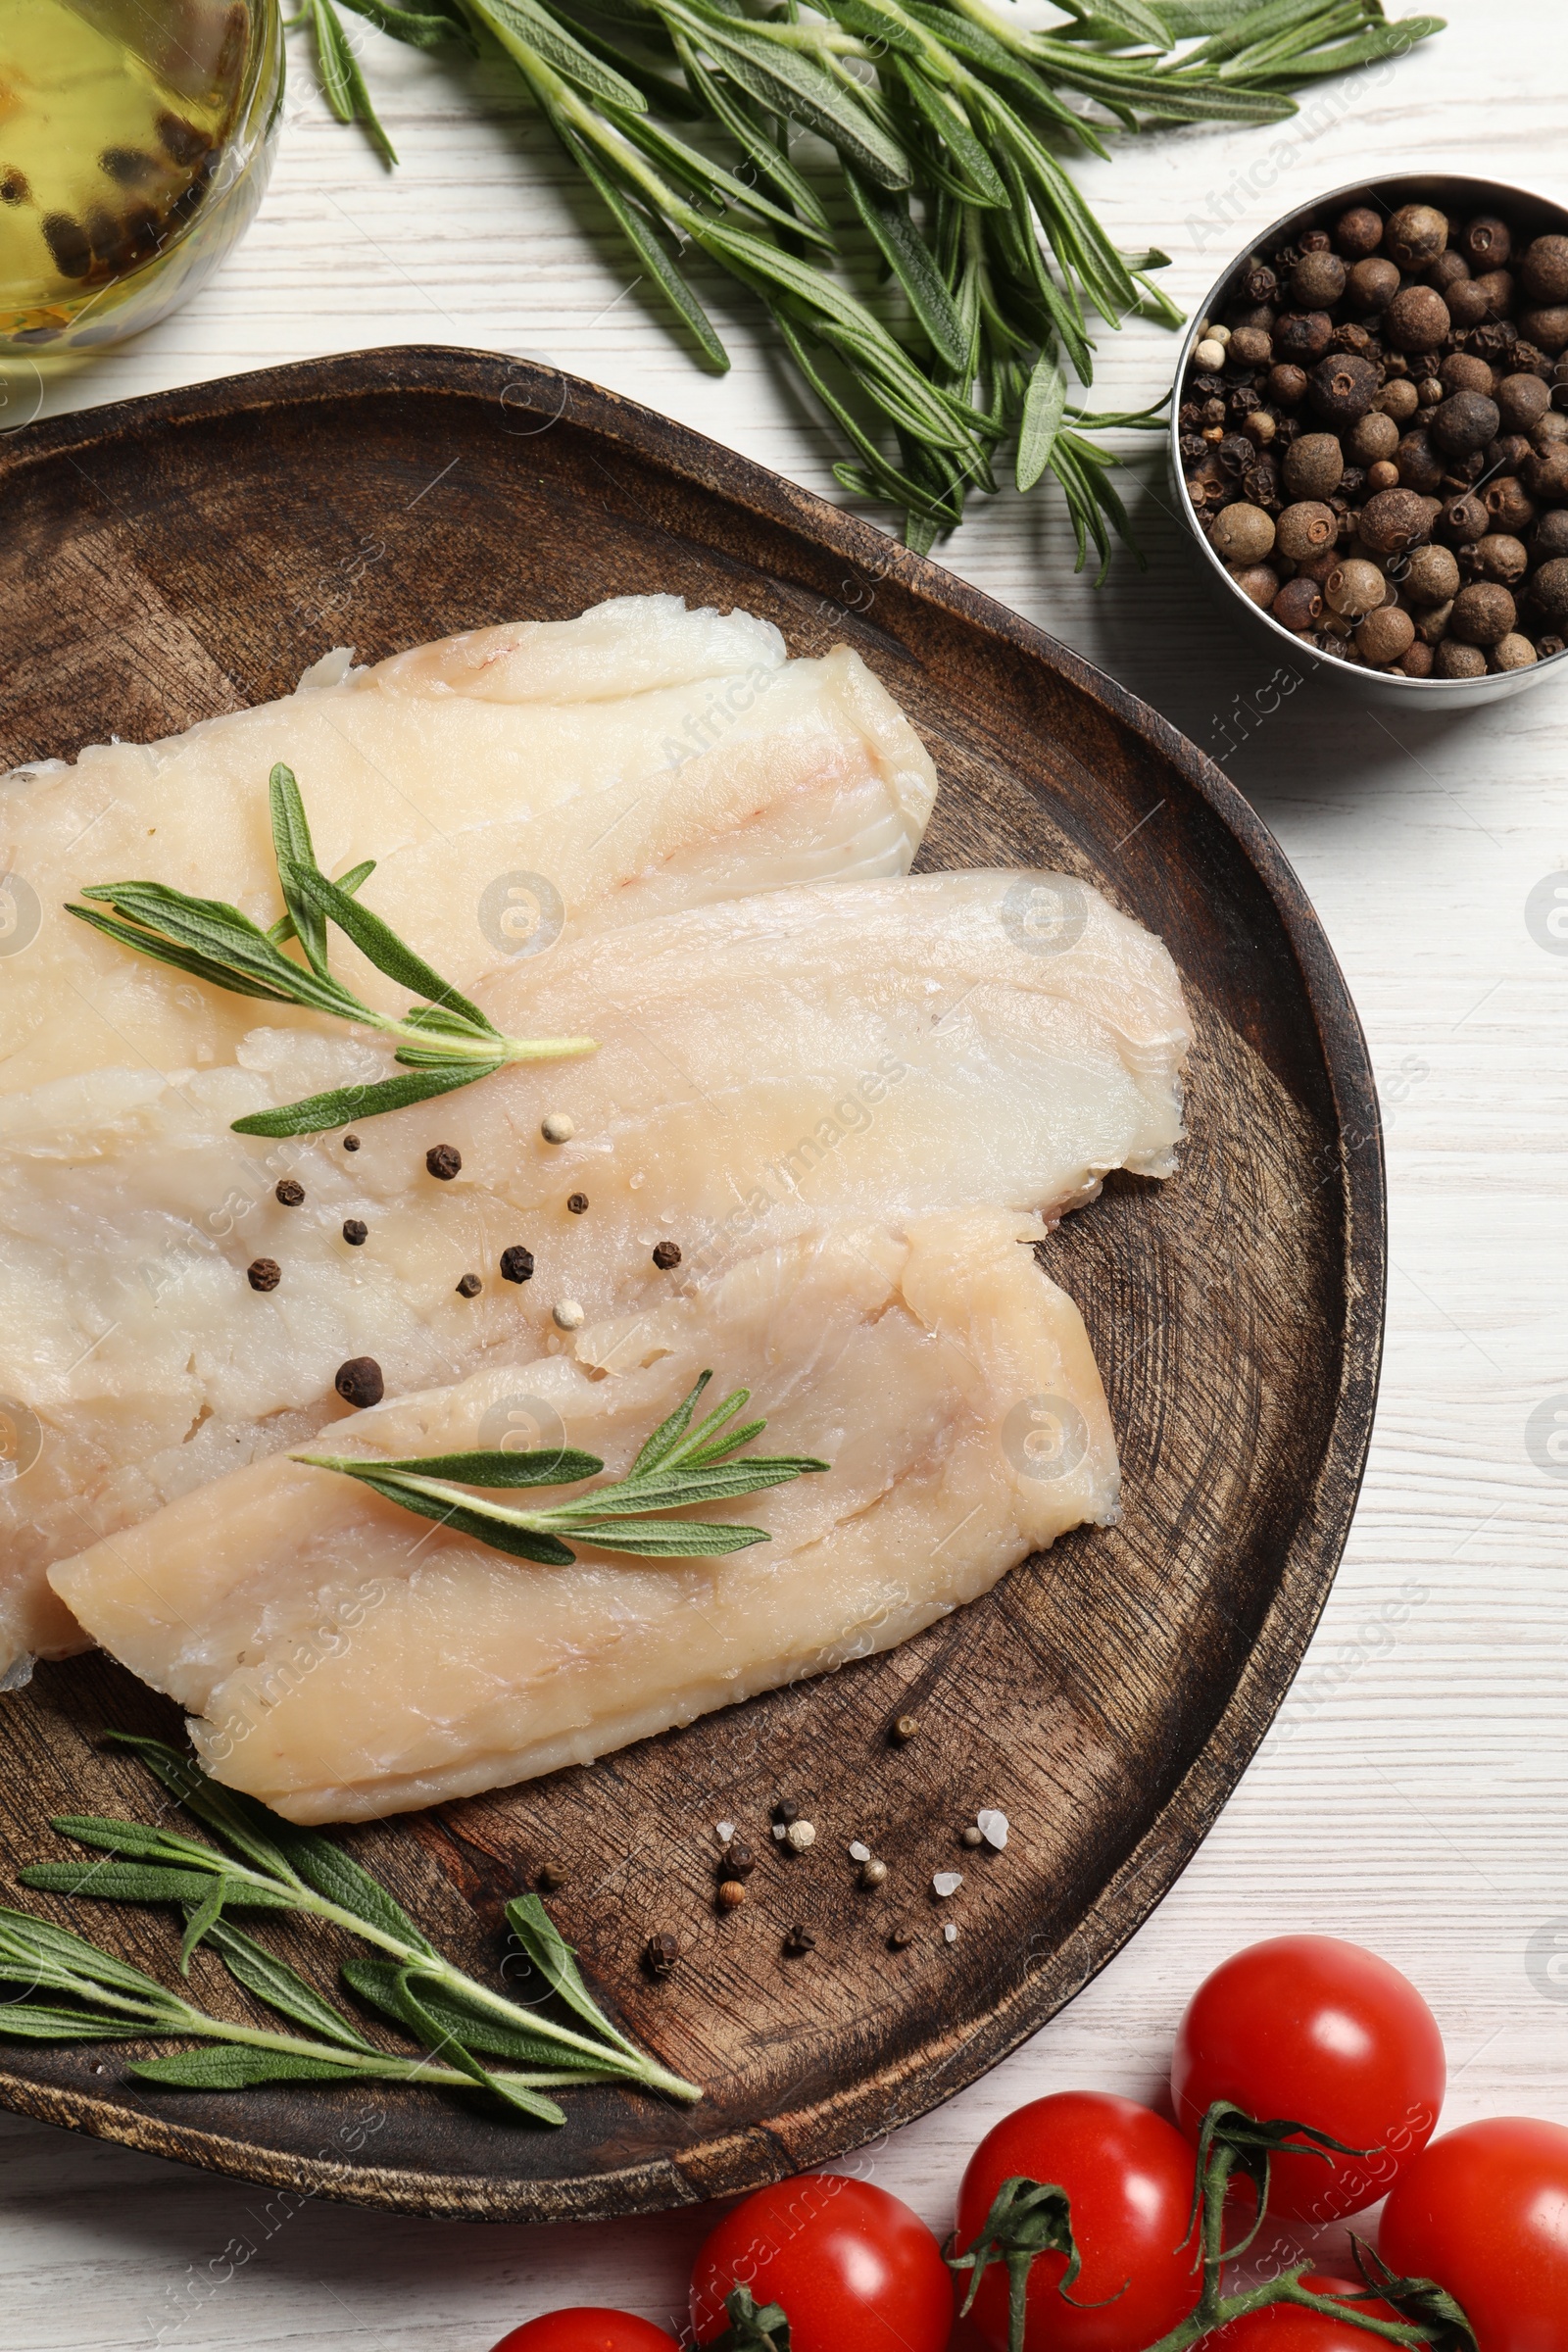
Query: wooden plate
(191, 552)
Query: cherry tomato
(1325, 2034)
(1284, 2328)
(587, 2329)
(848, 2265)
(1485, 2212)
(1129, 2177)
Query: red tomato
(1283, 2327)
(1129, 2179)
(587, 2329)
(848, 2265)
(1485, 2212)
(1327, 2035)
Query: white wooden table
(1414, 1793)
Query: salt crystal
(992, 1827)
(950, 1934)
(860, 1852)
(947, 1881)
(778, 1829)
(725, 1830)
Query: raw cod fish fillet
(343, 1659)
(883, 1050)
(639, 758)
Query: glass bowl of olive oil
(136, 137)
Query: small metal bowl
(1527, 215)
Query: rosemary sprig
(446, 1039)
(679, 1467)
(945, 116)
(266, 1864)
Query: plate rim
(745, 2157)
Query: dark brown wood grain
(191, 552)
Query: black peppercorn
(1193, 447)
(666, 1255)
(799, 1940)
(1236, 452)
(1314, 240)
(288, 1193)
(738, 1861)
(1350, 337)
(661, 1953)
(444, 1161)
(356, 1231)
(264, 1274)
(351, 1143)
(784, 1812)
(577, 1203)
(516, 1263)
(469, 1286)
(359, 1382)
(1260, 283)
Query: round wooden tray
(184, 555)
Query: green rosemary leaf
(681, 1489)
(136, 1841)
(1368, 48)
(699, 1456)
(143, 1882)
(441, 2043)
(1044, 406)
(733, 114)
(200, 1919)
(1129, 18)
(380, 944)
(450, 1507)
(668, 1539)
(491, 1468)
(344, 1103)
(412, 26)
(791, 83)
(280, 1986)
(519, 26)
(341, 80)
(282, 931)
(333, 1873)
(910, 259)
(28, 1944)
(212, 928)
(557, 1962)
(639, 234)
(696, 171)
(291, 848)
(230, 2066)
(183, 960)
(667, 1435)
(244, 1824)
(478, 2028)
(944, 115)
(29, 2021)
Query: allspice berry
(1245, 535)
(1355, 587)
(1416, 319)
(1298, 605)
(1467, 302)
(1318, 282)
(1308, 527)
(1546, 475)
(359, 1382)
(1344, 386)
(1456, 661)
(1550, 536)
(1384, 475)
(1416, 660)
(1543, 269)
(1251, 347)
(1358, 231)
(1257, 581)
(1383, 636)
(1547, 330)
(1463, 371)
(1522, 402)
(1549, 592)
(1464, 519)
(1421, 466)
(1394, 521)
(1465, 422)
(1487, 242)
(1372, 285)
(1314, 465)
(1374, 435)
(1450, 268)
(1498, 288)
(1433, 576)
(1483, 613)
(1415, 236)
(1399, 399)
(1287, 385)
(1501, 558)
(1513, 652)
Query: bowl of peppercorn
(1370, 436)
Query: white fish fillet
(885, 1049)
(896, 1047)
(639, 758)
(346, 1660)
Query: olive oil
(134, 141)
